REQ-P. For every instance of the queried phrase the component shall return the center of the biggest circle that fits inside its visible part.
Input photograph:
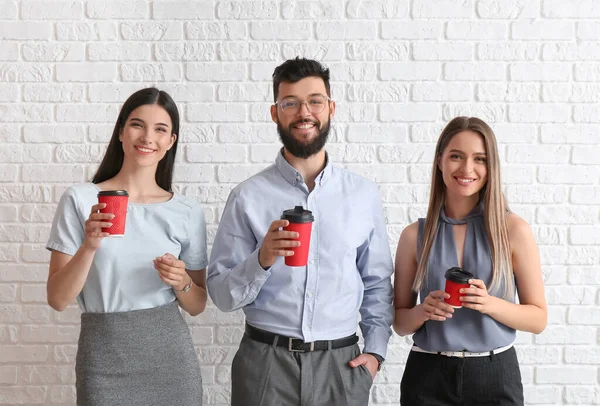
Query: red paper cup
(456, 279)
(116, 203)
(301, 222)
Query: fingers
(95, 234)
(170, 281)
(175, 274)
(472, 291)
(435, 313)
(277, 242)
(96, 221)
(176, 267)
(97, 207)
(282, 235)
(471, 299)
(478, 283)
(439, 294)
(277, 224)
(360, 360)
(93, 225)
(435, 308)
(101, 216)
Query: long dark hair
(113, 158)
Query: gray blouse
(467, 330)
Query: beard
(301, 149)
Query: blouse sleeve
(68, 230)
(193, 250)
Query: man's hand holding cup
(277, 243)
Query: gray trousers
(266, 375)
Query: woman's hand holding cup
(435, 308)
(93, 226)
(277, 243)
(476, 296)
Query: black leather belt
(296, 344)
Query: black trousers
(438, 380)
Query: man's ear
(274, 114)
(331, 109)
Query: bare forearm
(193, 301)
(523, 317)
(65, 284)
(407, 321)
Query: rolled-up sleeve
(193, 249)
(235, 276)
(374, 262)
(68, 227)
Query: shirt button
(310, 294)
(312, 261)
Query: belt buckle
(291, 349)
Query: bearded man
(300, 343)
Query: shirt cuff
(254, 271)
(377, 342)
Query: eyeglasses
(292, 105)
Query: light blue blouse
(122, 276)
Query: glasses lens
(316, 104)
(291, 105)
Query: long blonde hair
(495, 208)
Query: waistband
(296, 344)
(464, 354)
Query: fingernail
(296, 235)
(112, 216)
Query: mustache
(317, 123)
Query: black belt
(296, 344)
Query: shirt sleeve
(374, 262)
(68, 227)
(193, 250)
(234, 274)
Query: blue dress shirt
(349, 261)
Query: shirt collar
(293, 176)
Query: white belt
(463, 354)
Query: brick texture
(400, 69)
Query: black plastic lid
(458, 275)
(298, 215)
(113, 193)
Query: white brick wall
(400, 70)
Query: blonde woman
(464, 356)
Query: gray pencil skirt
(141, 357)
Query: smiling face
(464, 164)
(303, 132)
(147, 135)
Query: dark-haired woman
(134, 346)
